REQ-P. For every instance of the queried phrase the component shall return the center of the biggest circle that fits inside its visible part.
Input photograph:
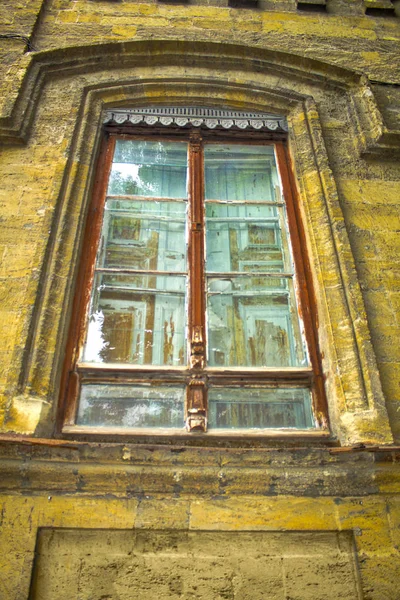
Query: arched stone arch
(63, 97)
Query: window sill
(216, 438)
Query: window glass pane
(236, 172)
(140, 319)
(144, 235)
(252, 322)
(137, 320)
(246, 237)
(131, 406)
(260, 408)
(153, 169)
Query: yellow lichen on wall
(344, 143)
(91, 23)
(54, 226)
(374, 523)
(318, 36)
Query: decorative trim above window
(197, 117)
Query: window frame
(74, 373)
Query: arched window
(193, 311)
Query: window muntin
(251, 305)
(138, 306)
(243, 297)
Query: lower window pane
(253, 321)
(137, 320)
(259, 408)
(105, 405)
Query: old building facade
(294, 512)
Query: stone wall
(336, 76)
(95, 521)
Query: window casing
(194, 309)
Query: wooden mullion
(196, 249)
(307, 303)
(196, 236)
(196, 396)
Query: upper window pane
(238, 172)
(152, 169)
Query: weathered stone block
(205, 565)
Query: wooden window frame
(196, 374)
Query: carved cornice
(24, 83)
(197, 117)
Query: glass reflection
(260, 408)
(131, 406)
(246, 238)
(251, 322)
(137, 320)
(144, 235)
(152, 169)
(237, 172)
